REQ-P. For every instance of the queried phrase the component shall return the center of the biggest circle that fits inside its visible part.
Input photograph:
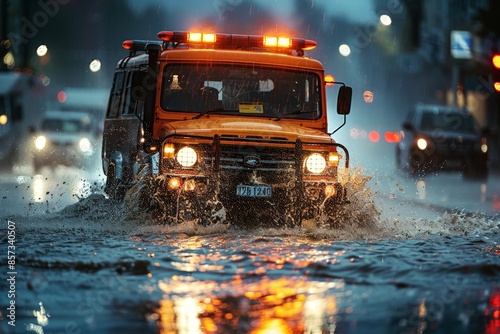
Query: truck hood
(243, 127)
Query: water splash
(368, 215)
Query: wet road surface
(88, 266)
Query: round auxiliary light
(187, 157)
(330, 190)
(174, 183)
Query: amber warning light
(199, 37)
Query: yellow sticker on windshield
(251, 108)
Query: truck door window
(116, 95)
(135, 93)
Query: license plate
(253, 191)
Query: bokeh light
(42, 50)
(385, 20)
(344, 50)
(95, 65)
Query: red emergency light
(139, 45)
(235, 41)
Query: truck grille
(250, 158)
(452, 147)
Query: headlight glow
(85, 145)
(422, 143)
(315, 163)
(40, 142)
(187, 157)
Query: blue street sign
(461, 44)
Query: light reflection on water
(247, 282)
(39, 189)
(283, 305)
(256, 284)
(400, 275)
(44, 188)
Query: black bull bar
(216, 147)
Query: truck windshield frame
(241, 89)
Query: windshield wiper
(208, 111)
(281, 116)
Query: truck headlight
(40, 142)
(315, 163)
(187, 157)
(85, 145)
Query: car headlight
(40, 142)
(85, 145)
(187, 157)
(315, 163)
(421, 143)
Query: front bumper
(277, 182)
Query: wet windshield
(446, 121)
(241, 90)
(65, 126)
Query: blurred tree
(488, 22)
(79, 31)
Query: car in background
(65, 138)
(22, 96)
(436, 137)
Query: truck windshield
(65, 125)
(241, 90)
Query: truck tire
(114, 187)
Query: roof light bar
(234, 41)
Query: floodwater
(393, 267)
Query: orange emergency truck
(225, 126)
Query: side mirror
(408, 126)
(344, 100)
